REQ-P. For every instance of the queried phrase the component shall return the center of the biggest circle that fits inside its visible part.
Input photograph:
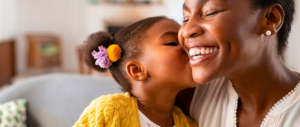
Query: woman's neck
(156, 103)
(260, 88)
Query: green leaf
(8, 119)
(21, 113)
(17, 120)
(23, 103)
(1, 112)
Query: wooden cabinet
(7, 61)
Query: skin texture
(246, 55)
(160, 73)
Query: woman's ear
(273, 19)
(136, 71)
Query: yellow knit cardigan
(121, 110)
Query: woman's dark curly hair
(129, 39)
(289, 10)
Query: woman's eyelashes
(211, 13)
(207, 15)
(172, 44)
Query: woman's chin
(203, 76)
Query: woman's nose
(192, 29)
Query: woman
(247, 84)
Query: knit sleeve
(98, 114)
(191, 122)
(182, 120)
(119, 110)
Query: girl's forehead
(162, 29)
(164, 26)
(203, 1)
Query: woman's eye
(172, 44)
(213, 13)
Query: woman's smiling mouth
(198, 55)
(199, 52)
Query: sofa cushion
(13, 113)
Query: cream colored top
(145, 122)
(213, 106)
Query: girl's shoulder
(104, 110)
(123, 99)
(106, 102)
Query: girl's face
(222, 37)
(164, 58)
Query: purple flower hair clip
(102, 58)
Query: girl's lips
(203, 58)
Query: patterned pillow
(13, 113)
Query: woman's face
(222, 37)
(164, 57)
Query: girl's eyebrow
(203, 1)
(169, 33)
(184, 6)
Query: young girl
(148, 62)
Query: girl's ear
(136, 71)
(273, 19)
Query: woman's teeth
(199, 52)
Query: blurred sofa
(57, 100)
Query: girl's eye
(172, 44)
(186, 20)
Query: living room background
(74, 20)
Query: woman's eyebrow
(169, 33)
(199, 1)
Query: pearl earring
(268, 33)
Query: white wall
(97, 15)
(62, 17)
(119, 15)
(1, 19)
(292, 56)
(175, 9)
(7, 19)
